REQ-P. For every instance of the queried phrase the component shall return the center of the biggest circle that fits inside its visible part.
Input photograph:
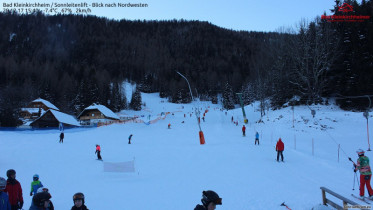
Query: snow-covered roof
(32, 110)
(62, 117)
(46, 103)
(103, 109)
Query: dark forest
(74, 61)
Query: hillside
(172, 168)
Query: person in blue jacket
(35, 185)
(4, 198)
(257, 138)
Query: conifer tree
(228, 100)
(136, 100)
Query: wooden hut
(95, 114)
(53, 118)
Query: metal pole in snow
(197, 109)
(293, 115)
(198, 113)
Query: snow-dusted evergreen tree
(146, 84)
(117, 100)
(248, 95)
(228, 100)
(93, 92)
(79, 101)
(136, 100)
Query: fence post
(323, 197)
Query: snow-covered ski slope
(172, 168)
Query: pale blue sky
(249, 15)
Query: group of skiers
(11, 196)
(280, 147)
(98, 148)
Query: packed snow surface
(172, 168)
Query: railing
(346, 201)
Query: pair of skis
(364, 199)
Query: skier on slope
(280, 148)
(98, 151)
(35, 184)
(209, 200)
(78, 199)
(14, 190)
(4, 198)
(256, 138)
(129, 139)
(41, 201)
(44, 189)
(62, 135)
(243, 130)
(365, 173)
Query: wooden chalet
(36, 108)
(53, 118)
(96, 114)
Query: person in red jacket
(98, 151)
(243, 130)
(14, 190)
(280, 148)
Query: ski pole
(353, 187)
(357, 179)
(283, 204)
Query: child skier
(78, 199)
(4, 198)
(35, 184)
(98, 151)
(61, 137)
(257, 138)
(41, 201)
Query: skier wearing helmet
(35, 184)
(365, 173)
(44, 189)
(78, 199)
(4, 198)
(41, 201)
(14, 190)
(209, 200)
